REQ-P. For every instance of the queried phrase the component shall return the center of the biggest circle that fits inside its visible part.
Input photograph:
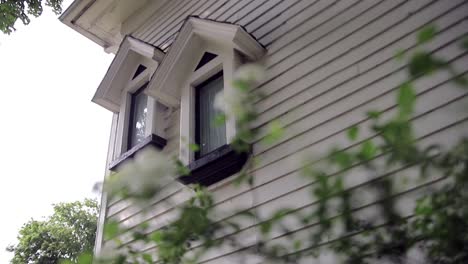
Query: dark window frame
(205, 59)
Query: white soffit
(101, 20)
(194, 34)
(132, 52)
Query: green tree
(66, 234)
(12, 10)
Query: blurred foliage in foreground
(69, 233)
(335, 220)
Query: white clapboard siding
(328, 62)
(338, 43)
(357, 63)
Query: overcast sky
(53, 139)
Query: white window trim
(155, 121)
(227, 61)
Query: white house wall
(328, 63)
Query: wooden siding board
(157, 37)
(270, 17)
(239, 5)
(159, 17)
(255, 10)
(284, 17)
(202, 12)
(314, 15)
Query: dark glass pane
(139, 70)
(138, 115)
(210, 136)
(207, 57)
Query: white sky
(53, 140)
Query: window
(141, 124)
(209, 134)
(138, 116)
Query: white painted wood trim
(103, 206)
(132, 53)
(227, 62)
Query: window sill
(215, 166)
(152, 140)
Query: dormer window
(140, 118)
(200, 65)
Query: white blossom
(220, 102)
(149, 170)
(252, 73)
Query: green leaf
(462, 81)
(194, 147)
(182, 170)
(464, 44)
(240, 179)
(265, 227)
(423, 207)
(422, 63)
(373, 114)
(275, 133)
(220, 119)
(85, 258)
(297, 245)
(426, 34)
(368, 150)
(342, 158)
(353, 133)
(139, 236)
(406, 100)
(248, 214)
(148, 258)
(111, 229)
(241, 85)
(400, 55)
(144, 225)
(156, 237)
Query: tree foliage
(12, 10)
(66, 234)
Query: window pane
(137, 119)
(210, 135)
